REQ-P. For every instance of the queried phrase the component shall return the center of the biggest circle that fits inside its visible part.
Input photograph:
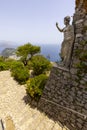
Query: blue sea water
(51, 51)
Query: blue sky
(23, 21)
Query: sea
(50, 51)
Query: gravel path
(12, 105)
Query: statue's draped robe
(67, 44)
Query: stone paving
(12, 105)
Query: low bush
(19, 72)
(36, 85)
(3, 66)
(16, 64)
(29, 65)
(40, 64)
(6, 64)
(1, 59)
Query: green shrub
(19, 72)
(16, 64)
(29, 65)
(1, 59)
(3, 66)
(9, 63)
(40, 64)
(36, 85)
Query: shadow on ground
(51, 110)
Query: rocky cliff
(8, 52)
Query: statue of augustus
(67, 44)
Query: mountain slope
(8, 52)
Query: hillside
(8, 52)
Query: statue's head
(66, 20)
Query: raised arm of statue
(61, 30)
(67, 44)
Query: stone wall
(84, 4)
(65, 101)
(65, 95)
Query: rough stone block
(79, 126)
(84, 111)
(86, 106)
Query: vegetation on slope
(21, 69)
(36, 85)
(26, 52)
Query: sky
(33, 21)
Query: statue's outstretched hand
(61, 30)
(56, 24)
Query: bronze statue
(67, 43)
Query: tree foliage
(27, 51)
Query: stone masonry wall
(62, 89)
(65, 95)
